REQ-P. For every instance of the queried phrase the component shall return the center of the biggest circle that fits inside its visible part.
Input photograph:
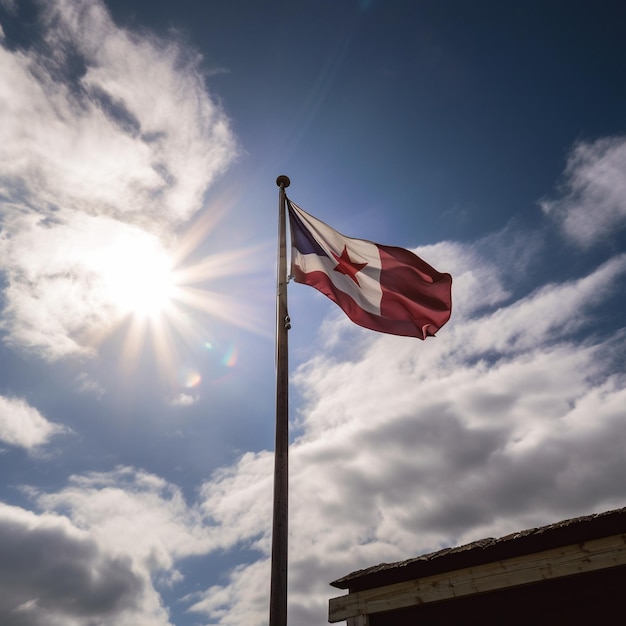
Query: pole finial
(283, 181)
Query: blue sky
(139, 147)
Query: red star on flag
(347, 266)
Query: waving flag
(382, 288)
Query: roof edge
(569, 531)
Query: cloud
(84, 384)
(24, 426)
(134, 527)
(9, 6)
(129, 530)
(594, 200)
(237, 500)
(107, 134)
(183, 399)
(111, 539)
(133, 131)
(58, 300)
(221, 602)
(52, 573)
(135, 513)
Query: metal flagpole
(278, 589)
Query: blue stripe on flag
(301, 238)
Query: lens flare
(230, 358)
(189, 378)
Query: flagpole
(278, 586)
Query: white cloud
(128, 529)
(136, 134)
(54, 574)
(59, 301)
(594, 201)
(183, 399)
(24, 426)
(134, 513)
(547, 315)
(84, 384)
(238, 500)
(131, 143)
(221, 602)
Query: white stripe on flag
(368, 293)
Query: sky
(140, 143)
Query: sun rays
(168, 299)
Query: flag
(382, 288)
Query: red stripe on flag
(415, 294)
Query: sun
(139, 279)
(157, 293)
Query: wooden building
(572, 572)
